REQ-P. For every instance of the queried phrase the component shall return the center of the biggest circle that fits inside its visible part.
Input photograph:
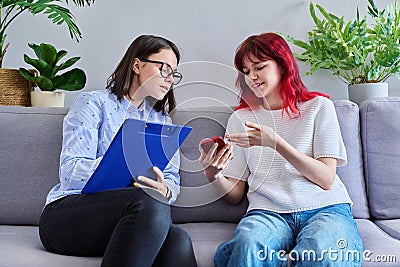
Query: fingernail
(135, 184)
(139, 178)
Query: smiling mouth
(165, 88)
(256, 85)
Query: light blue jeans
(326, 236)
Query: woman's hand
(159, 184)
(259, 135)
(214, 162)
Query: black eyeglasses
(166, 70)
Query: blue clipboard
(135, 149)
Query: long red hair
(268, 46)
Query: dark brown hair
(142, 47)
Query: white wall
(207, 32)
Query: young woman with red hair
(286, 143)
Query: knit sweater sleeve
(328, 140)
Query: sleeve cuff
(174, 191)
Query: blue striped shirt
(89, 127)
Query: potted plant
(48, 66)
(358, 53)
(14, 89)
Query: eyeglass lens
(167, 71)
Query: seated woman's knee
(150, 208)
(181, 237)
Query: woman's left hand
(259, 135)
(159, 184)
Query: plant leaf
(372, 9)
(67, 64)
(60, 55)
(27, 75)
(328, 16)
(36, 49)
(314, 16)
(72, 80)
(42, 66)
(43, 83)
(81, 2)
(56, 13)
(49, 54)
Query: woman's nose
(169, 79)
(252, 75)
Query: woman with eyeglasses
(128, 227)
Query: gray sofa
(30, 143)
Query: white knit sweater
(274, 184)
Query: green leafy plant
(11, 9)
(46, 65)
(354, 51)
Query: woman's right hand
(214, 162)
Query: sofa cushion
(352, 174)
(20, 246)
(206, 238)
(391, 227)
(29, 159)
(380, 249)
(198, 200)
(380, 131)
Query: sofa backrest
(30, 145)
(380, 129)
(352, 174)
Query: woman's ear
(136, 66)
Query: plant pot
(14, 88)
(363, 91)
(47, 99)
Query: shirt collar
(147, 106)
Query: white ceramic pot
(363, 91)
(47, 99)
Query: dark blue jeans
(127, 227)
